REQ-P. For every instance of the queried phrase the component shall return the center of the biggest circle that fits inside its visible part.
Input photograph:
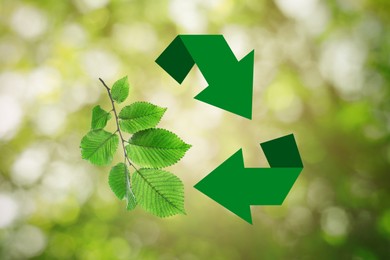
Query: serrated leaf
(159, 192)
(120, 90)
(99, 146)
(140, 116)
(120, 185)
(131, 201)
(100, 118)
(117, 180)
(156, 148)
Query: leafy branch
(156, 190)
(112, 181)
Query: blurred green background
(322, 72)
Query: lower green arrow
(237, 188)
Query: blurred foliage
(322, 72)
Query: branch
(119, 131)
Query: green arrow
(236, 187)
(230, 81)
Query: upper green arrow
(230, 81)
(236, 187)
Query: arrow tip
(221, 186)
(237, 206)
(233, 90)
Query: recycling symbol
(231, 88)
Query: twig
(119, 131)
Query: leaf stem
(119, 131)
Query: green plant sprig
(118, 130)
(156, 190)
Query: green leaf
(131, 201)
(159, 192)
(117, 180)
(99, 118)
(120, 90)
(156, 148)
(99, 146)
(120, 185)
(140, 116)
